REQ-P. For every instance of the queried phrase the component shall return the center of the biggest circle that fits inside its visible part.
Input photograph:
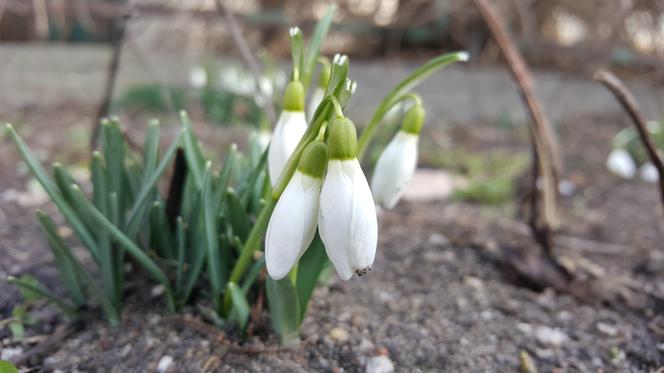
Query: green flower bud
(294, 97)
(413, 120)
(342, 139)
(324, 76)
(314, 159)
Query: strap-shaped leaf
(192, 151)
(129, 245)
(216, 269)
(240, 311)
(135, 215)
(68, 309)
(313, 48)
(40, 174)
(284, 309)
(310, 266)
(104, 300)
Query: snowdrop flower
(648, 172)
(289, 130)
(621, 163)
(347, 219)
(293, 223)
(319, 92)
(197, 77)
(396, 165)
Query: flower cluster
(328, 190)
(627, 159)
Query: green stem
(401, 89)
(260, 226)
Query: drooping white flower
(291, 126)
(293, 222)
(347, 220)
(396, 165)
(621, 163)
(648, 172)
(197, 77)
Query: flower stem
(401, 89)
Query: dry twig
(628, 102)
(120, 24)
(248, 58)
(547, 163)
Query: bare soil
(440, 298)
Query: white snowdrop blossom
(396, 165)
(293, 223)
(621, 163)
(648, 172)
(197, 77)
(347, 220)
(291, 126)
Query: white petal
(287, 134)
(621, 163)
(648, 172)
(347, 219)
(316, 98)
(394, 169)
(292, 225)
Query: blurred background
(65, 63)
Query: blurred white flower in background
(648, 172)
(197, 77)
(621, 163)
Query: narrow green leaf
(41, 176)
(181, 243)
(310, 266)
(7, 367)
(65, 267)
(225, 175)
(26, 293)
(216, 269)
(240, 311)
(51, 231)
(250, 185)
(192, 151)
(313, 48)
(130, 246)
(68, 309)
(252, 274)
(151, 150)
(136, 213)
(237, 215)
(114, 149)
(284, 309)
(18, 330)
(161, 237)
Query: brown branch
(628, 102)
(248, 58)
(120, 24)
(547, 163)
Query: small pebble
(339, 335)
(164, 363)
(550, 336)
(379, 364)
(9, 352)
(607, 329)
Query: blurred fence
(563, 32)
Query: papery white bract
(293, 224)
(316, 98)
(394, 169)
(287, 134)
(621, 163)
(347, 220)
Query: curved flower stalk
(293, 223)
(621, 163)
(396, 165)
(347, 220)
(291, 126)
